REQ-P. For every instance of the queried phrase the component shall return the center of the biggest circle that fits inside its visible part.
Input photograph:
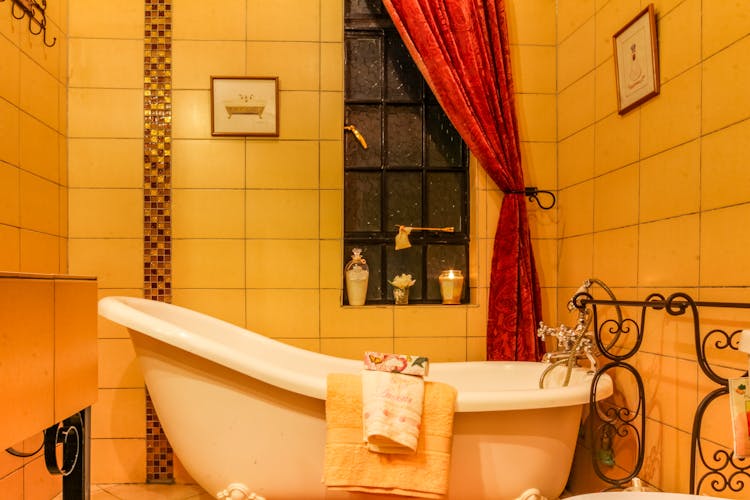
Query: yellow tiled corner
(437, 349)
(91, 64)
(113, 19)
(545, 256)
(41, 99)
(725, 178)
(283, 20)
(575, 55)
(282, 263)
(92, 111)
(616, 256)
(724, 83)
(117, 263)
(531, 22)
(616, 199)
(674, 116)
(105, 163)
(575, 158)
(119, 461)
(209, 20)
(208, 213)
(572, 14)
(610, 18)
(617, 140)
(218, 163)
(119, 413)
(194, 62)
(283, 164)
(299, 115)
(536, 117)
(208, 263)
(227, 304)
(429, 321)
(106, 213)
(282, 213)
(337, 321)
(572, 203)
(533, 68)
(678, 168)
(576, 260)
(297, 64)
(284, 313)
(722, 24)
(668, 252)
(539, 161)
(191, 114)
(723, 248)
(575, 107)
(606, 90)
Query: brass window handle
(357, 134)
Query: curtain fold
(462, 49)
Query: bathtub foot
(238, 491)
(531, 494)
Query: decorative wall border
(157, 183)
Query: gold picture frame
(245, 106)
(636, 57)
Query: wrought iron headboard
(618, 340)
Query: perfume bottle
(357, 275)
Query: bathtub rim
(124, 311)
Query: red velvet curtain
(462, 49)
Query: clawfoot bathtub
(242, 409)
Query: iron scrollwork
(36, 12)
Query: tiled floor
(147, 492)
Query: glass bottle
(357, 274)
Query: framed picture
(636, 61)
(244, 106)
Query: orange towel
(350, 466)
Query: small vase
(401, 296)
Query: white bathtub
(239, 407)
(637, 495)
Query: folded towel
(739, 401)
(401, 363)
(350, 466)
(391, 411)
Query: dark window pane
(364, 72)
(367, 119)
(444, 145)
(361, 201)
(403, 136)
(403, 199)
(407, 261)
(403, 79)
(445, 199)
(363, 9)
(441, 258)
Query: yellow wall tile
(10, 248)
(606, 89)
(194, 62)
(672, 117)
(617, 142)
(208, 164)
(679, 39)
(225, 304)
(724, 87)
(119, 413)
(575, 107)
(723, 245)
(39, 147)
(208, 263)
(668, 252)
(106, 213)
(91, 112)
(11, 486)
(297, 64)
(120, 461)
(575, 158)
(195, 20)
(572, 14)
(576, 201)
(531, 22)
(352, 322)
(429, 321)
(283, 164)
(9, 195)
(331, 264)
(722, 24)
(437, 349)
(616, 256)
(107, 329)
(118, 367)
(575, 55)
(332, 67)
(191, 114)
(40, 99)
(331, 24)
(355, 347)
(331, 115)
(725, 178)
(538, 161)
(105, 163)
(299, 115)
(331, 164)
(284, 313)
(9, 132)
(616, 199)
(331, 213)
(536, 116)
(10, 77)
(282, 264)
(282, 213)
(208, 213)
(38, 204)
(533, 68)
(283, 20)
(113, 19)
(610, 18)
(92, 65)
(38, 482)
(576, 260)
(670, 183)
(117, 263)
(545, 257)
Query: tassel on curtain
(462, 49)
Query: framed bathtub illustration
(636, 61)
(244, 106)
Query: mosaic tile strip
(157, 183)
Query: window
(414, 171)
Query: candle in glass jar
(451, 286)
